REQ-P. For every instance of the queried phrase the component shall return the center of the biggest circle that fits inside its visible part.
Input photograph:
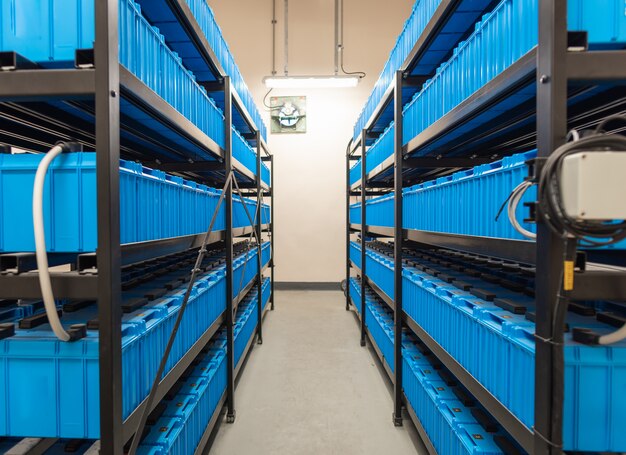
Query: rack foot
(230, 418)
(362, 343)
(397, 421)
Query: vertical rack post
(109, 252)
(348, 229)
(228, 213)
(258, 227)
(551, 132)
(273, 202)
(397, 246)
(363, 231)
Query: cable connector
(7, 330)
(535, 167)
(77, 332)
(532, 212)
(586, 336)
(70, 146)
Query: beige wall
(310, 168)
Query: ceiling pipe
(336, 50)
(274, 37)
(286, 37)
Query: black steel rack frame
(560, 75)
(39, 107)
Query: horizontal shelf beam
(151, 249)
(218, 410)
(266, 149)
(442, 162)
(382, 167)
(516, 76)
(16, 263)
(131, 423)
(382, 106)
(379, 353)
(443, 24)
(512, 424)
(240, 168)
(188, 21)
(238, 104)
(515, 250)
(439, 18)
(32, 446)
(379, 292)
(244, 356)
(375, 230)
(65, 285)
(185, 166)
(437, 162)
(369, 193)
(418, 424)
(206, 436)
(242, 295)
(355, 145)
(147, 100)
(30, 85)
(590, 66)
(599, 285)
(430, 448)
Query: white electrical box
(593, 185)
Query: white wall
(310, 168)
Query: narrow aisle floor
(311, 389)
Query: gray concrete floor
(311, 389)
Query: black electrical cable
(613, 118)
(360, 74)
(558, 357)
(573, 232)
(170, 343)
(269, 107)
(589, 233)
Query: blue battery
(167, 435)
(497, 348)
(503, 36)
(153, 205)
(49, 32)
(465, 203)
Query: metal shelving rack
(551, 87)
(40, 106)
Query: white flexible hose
(516, 197)
(614, 337)
(40, 244)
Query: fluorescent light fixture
(311, 81)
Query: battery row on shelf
(51, 388)
(50, 33)
(482, 313)
(466, 203)
(180, 422)
(454, 422)
(153, 204)
(500, 37)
